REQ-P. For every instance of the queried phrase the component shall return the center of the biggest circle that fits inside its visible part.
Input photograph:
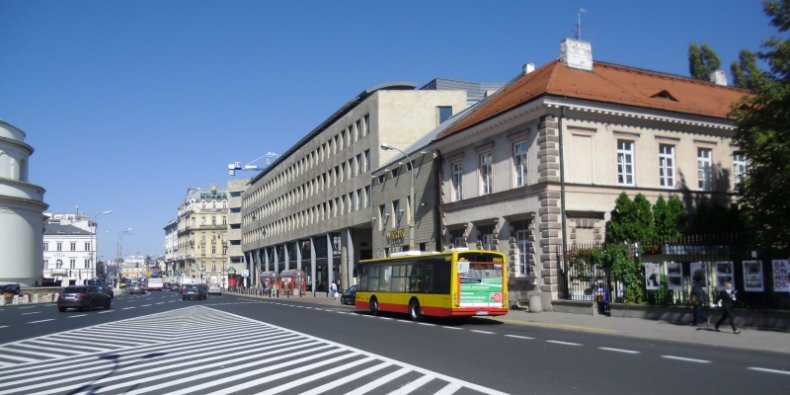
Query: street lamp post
(388, 147)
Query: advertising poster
(781, 275)
(675, 275)
(724, 273)
(652, 276)
(753, 276)
(699, 271)
(481, 284)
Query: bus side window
(363, 279)
(441, 277)
(415, 277)
(373, 278)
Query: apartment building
(202, 243)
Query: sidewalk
(748, 339)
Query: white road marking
(425, 324)
(129, 308)
(78, 315)
(563, 343)
(766, 370)
(483, 332)
(334, 384)
(3, 326)
(36, 322)
(684, 359)
(408, 388)
(32, 312)
(105, 311)
(620, 350)
(145, 305)
(160, 302)
(452, 327)
(520, 337)
(449, 389)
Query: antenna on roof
(579, 23)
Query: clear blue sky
(129, 103)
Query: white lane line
(382, 318)
(105, 312)
(563, 343)
(32, 312)
(129, 308)
(3, 326)
(78, 315)
(425, 324)
(483, 332)
(453, 327)
(27, 307)
(36, 322)
(684, 359)
(620, 350)
(520, 337)
(145, 305)
(766, 370)
(160, 302)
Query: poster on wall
(674, 275)
(753, 276)
(724, 273)
(652, 276)
(781, 275)
(699, 272)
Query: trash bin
(535, 303)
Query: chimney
(528, 68)
(576, 54)
(718, 77)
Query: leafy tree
(669, 217)
(702, 61)
(627, 269)
(763, 135)
(745, 72)
(631, 220)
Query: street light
(387, 147)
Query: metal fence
(669, 267)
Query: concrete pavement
(748, 339)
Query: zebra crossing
(201, 350)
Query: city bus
(457, 283)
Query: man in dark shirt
(728, 297)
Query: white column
(329, 269)
(266, 259)
(298, 255)
(349, 258)
(287, 255)
(276, 259)
(312, 264)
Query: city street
(157, 343)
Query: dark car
(103, 286)
(10, 289)
(349, 296)
(83, 297)
(136, 289)
(194, 291)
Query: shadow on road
(93, 387)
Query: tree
(745, 72)
(702, 61)
(670, 218)
(631, 220)
(763, 135)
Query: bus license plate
(481, 312)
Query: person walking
(698, 298)
(333, 290)
(728, 297)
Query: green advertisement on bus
(480, 283)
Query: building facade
(70, 248)
(21, 212)
(537, 167)
(236, 261)
(202, 227)
(311, 209)
(171, 248)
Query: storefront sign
(395, 234)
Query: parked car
(136, 289)
(83, 297)
(194, 291)
(174, 287)
(349, 296)
(214, 289)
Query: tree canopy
(702, 61)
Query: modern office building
(202, 227)
(21, 212)
(236, 262)
(311, 208)
(537, 167)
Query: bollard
(26, 298)
(15, 300)
(535, 303)
(35, 298)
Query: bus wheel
(414, 310)
(374, 306)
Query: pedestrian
(728, 298)
(333, 290)
(698, 298)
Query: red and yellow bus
(457, 283)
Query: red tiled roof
(611, 84)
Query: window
(46, 246)
(625, 162)
(46, 263)
(367, 196)
(382, 217)
(213, 219)
(486, 173)
(396, 213)
(87, 246)
(72, 246)
(224, 220)
(87, 263)
(739, 166)
(367, 160)
(704, 170)
(59, 264)
(666, 165)
(520, 163)
(457, 171)
(445, 113)
(522, 239)
(488, 242)
(72, 263)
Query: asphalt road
(471, 357)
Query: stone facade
(202, 241)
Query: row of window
(486, 171)
(72, 246)
(354, 132)
(72, 264)
(399, 215)
(339, 206)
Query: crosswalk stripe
(347, 379)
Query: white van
(154, 284)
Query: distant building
(171, 248)
(202, 228)
(235, 254)
(21, 212)
(69, 248)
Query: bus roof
(424, 254)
